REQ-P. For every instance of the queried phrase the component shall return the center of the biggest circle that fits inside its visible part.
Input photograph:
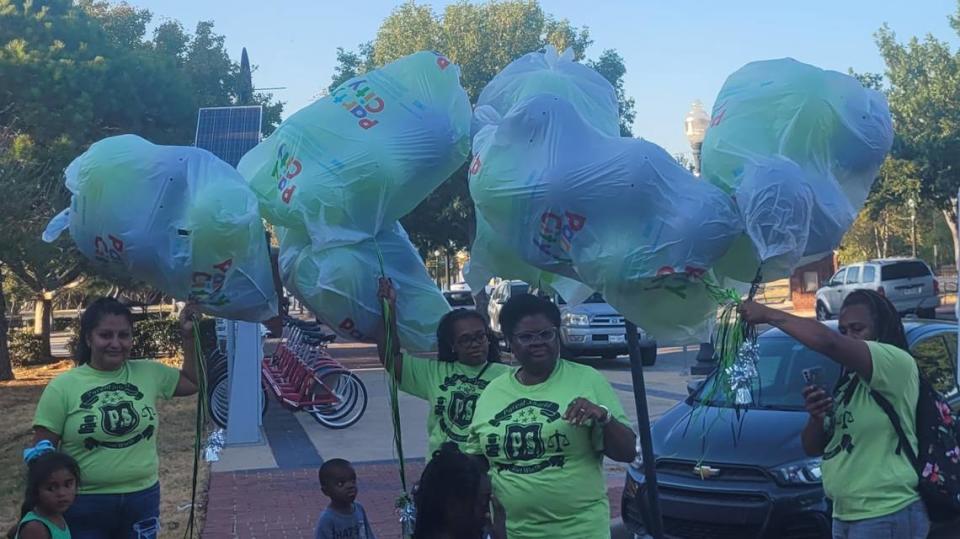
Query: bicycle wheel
(348, 400)
(335, 386)
(219, 401)
(216, 365)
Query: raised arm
(388, 293)
(851, 353)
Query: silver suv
(907, 282)
(594, 328)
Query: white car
(907, 282)
(460, 299)
(501, 293)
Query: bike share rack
(244, 347)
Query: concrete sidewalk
(275, 504)
(271, 489)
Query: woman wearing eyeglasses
(467, 360)
(545, 429)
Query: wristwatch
(606, 418)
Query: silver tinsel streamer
(407, 513)
(742, 374)
(215, 443)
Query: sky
(675, 51)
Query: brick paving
(285, 504)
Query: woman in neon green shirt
(873, 486)
(545, 429)
(103, 414)
(468, 358)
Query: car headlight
(573, 319)
(637, 463)
(806, 472)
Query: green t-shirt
(452, 389)
(862, 473)
(56, 532)
(107, 421)
(547, 473)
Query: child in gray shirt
(344, 518)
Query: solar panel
(229, 132)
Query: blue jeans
(132, 515)
(911, 522)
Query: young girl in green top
(468, 358)
(52, 479)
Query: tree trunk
(876, 240)
(43, 313)
(884, 238)
(6, 370)
(447, 268)
(950, 214)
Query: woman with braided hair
(871, 482)
(453, 499)
(468, 358)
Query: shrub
(156, 337)
(152, 338)
(26, 349)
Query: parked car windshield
(517, 289)
(904, 270)
(459, 298)
(780, 368)
(596, 297)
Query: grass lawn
(18, 401)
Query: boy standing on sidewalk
(344, 518)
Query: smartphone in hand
(812, 375)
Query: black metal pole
(655, 520)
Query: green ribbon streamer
(731, 332)
(200, 424)
(403, 503)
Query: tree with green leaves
(482, 39)
(923, 77)
(883, 227)
(77, 72)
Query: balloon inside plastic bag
(339, 284)
(555, 74)
(777, 205)
(781, 121)
(490, 258)
(350, 164)
(610, 212)
(177, 218)
(292, 243)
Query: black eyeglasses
(476, 338)
(545, 336)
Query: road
(365, 441)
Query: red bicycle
(303, 376)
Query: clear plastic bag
(177, 218)
(339, 284)
(780, 121)
(555, 74)
(353, 162)
(617, 214)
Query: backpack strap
(887, 407)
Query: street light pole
(695, 126)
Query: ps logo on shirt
(461, 408)
(119, 419)
(523, 442)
